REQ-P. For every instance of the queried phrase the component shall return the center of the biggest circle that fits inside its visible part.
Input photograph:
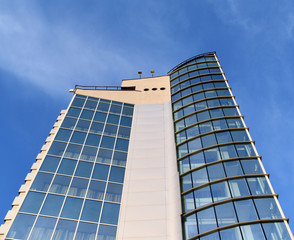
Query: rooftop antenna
(140, 73)
(152, 72)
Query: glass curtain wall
(225, 192)
(77, 192)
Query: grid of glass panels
(225, 191)
(77, 191)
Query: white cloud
(50, 56)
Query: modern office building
(166, 157)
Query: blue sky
(49, 46)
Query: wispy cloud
(50, 56)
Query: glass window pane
(251, 166)
(199, 177)
(32, 202)
(119, 158)
(276, 230)
(219, 124)
(83, 125)
(208, 140)
(89, 154)
(57, 148)
(239, 136)
(231, 234)
(91, 104)
(91, 211)
(124, 132)
(122, 144)
(213, 103)
(225, 214)
(205, 127)
(186, 100)
(252, 231)
(72, 208)
(235, 123)
(230, 112)
(126, 121)
(96, 127)
(223, 137)
(21, 226)
(78, 102)
(182, 150)
(202, 196)
(194, 145)
(246, 210)
(239, 187)
(107, 142)
(267, 208)
(245, 150)
(128, 111)
(200, 106)
(52, 205)
(100, 117)
(259, 186)
(96, 190)
(202, 116)
(117, 174)
(212, 155)
(220, 191)
(210, 94)
(78, 137)
(196, 160)
(63, 135)
(192, 132)
(67, 166)
(228, 152)
(216, 113)
(113, 119)
(65, 230)
(104, 156)
(60, 184)
(188, 121)
(113, 192)
(213, 236)
(110, 213)
(206, 220)
(86, 231)
(190, 226)
(184, 165)
(189, 109)
(78, 187)
(100, 172)
(216, 172)
(233, 168)
(106, 232)
(50, 164)
(103, 106)
(43, 228)
(181, 136)
(84, 169)
(73, 112)
(186, 182)
(73, 151)
(188, 202)
(42, 182)
(69, 123)
(93, 140)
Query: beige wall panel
(136, 97)
(151, 204)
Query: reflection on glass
(65, 230)
(43, 228)
(21, 226)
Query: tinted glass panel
(91, 210)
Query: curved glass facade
(226, 193)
